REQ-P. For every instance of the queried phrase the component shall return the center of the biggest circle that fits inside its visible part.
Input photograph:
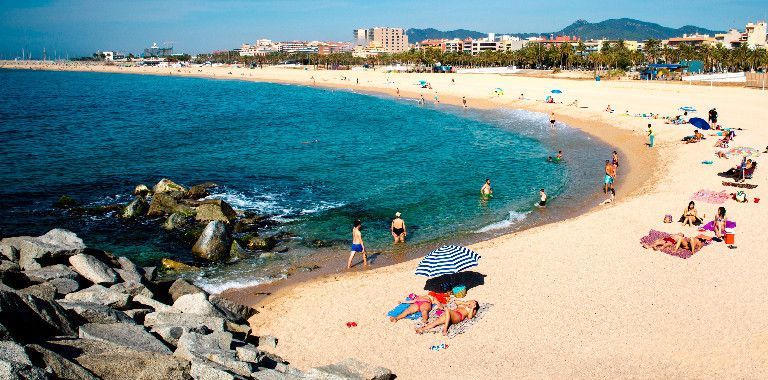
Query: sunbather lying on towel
(418, 303)
(677, 241)
(464, 309)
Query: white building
(755, 35)
(391, 40)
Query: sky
(81, 27)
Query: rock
(177, 221)
(154, 304)
(271, 374)
(249, 353)
(98, 210)
(65, 201)
(28, 317)
(7, 265)
(132, 289)
(125, 335)
(165, 203)
(182, 287)
(138, 314)
(213, 347)
(44, 291)
(199, 191)
(54, 244)
(112, 362)
(165, 185)
(261, 244)
(214, 242)
(236, 252)
(14, 352)
(233, 311)
(10, 252)
(205, 370)
(138, 207)
(65, 286)
(141, 190)
(129, 276)
(59, 366)
(150, 273)
(236, 328)
(268, 341)
(50, 272)
(100, 295)
(158, 319)
(96, 313)
(93, 269)
(196, 303)
(15, 364)
(350, 369)
(215, 209)
(172, 334)
(176, 266)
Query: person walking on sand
(610, 175)
(357, 244)
(398, 92)
(486, 191)
(552, 120)
(397, 228)
(615, 162)
(650, 136)
(437, 99)
(421, 99)
(464, 101)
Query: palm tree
(652, 50)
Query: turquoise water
(311, 159)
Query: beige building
(389, 40)
(755, 35)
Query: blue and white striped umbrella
(448, 259)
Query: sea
(311, 160)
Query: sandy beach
(579, 298)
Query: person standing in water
(552, 120)
(357, 244)
(421, 99)
(610, 175)
(559, 156)
(486, 191)
(542, 198)
(397, 228)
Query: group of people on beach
(463, 310)
(396, 228)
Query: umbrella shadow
(446, 282)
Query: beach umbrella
(699, 123)
(448, 259)
(556, 92)
(688, 109)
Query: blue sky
(79, 27)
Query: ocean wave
(274, 204)
(212, 286)
(513, 218)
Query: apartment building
(389, 40)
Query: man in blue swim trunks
(610, 175)
(357, 244)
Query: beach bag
(741, 197)
(667, 218)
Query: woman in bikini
(464, 310)
(718, 226)
(690, 215)
(418, 303)
(676, 242)
(397, 228)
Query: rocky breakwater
(71, 312)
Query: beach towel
(654, 235)
(400, 308)
(740, 185)
(459, 328)
(711, 225)
(710, 196)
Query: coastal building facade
(390, 40)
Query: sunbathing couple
(464, 309)
(676, 242)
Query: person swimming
(486, 191)
(559, 156)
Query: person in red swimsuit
(418, 303)
(464, 309)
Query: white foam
(215, 287)
(513, 218)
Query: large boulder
(167, 203)
(214, 242)
(166, 185)
(199, 191)
(350, 369)
(154, 304)
(138, 207)
(132, 289)
(44, 291)
(176, 266)
(35, 252)
(141, 190)
(128, 271)
(93, 269)
(57, 365)
(125, 335)
(100, 295)
(215, 209)
(160, 319)
(96, 313)
(233, 311)
(196, 303)
(206, 370)
(214, 347)
(236, 252)
(258, 243)
(177, 221)
(27, 317)
(9, 250)
(65, 286)
(182, 287)
(16, 364)
(50, 272)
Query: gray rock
(271, 374)
(54, 244)
(182, 287)
(177, 221)
(141, 190)
(138, 207)
(9, 250)
(214, 242)
(122, 334)
(350, 369)
(50, 272)
(65, 286)
(205, 370)
(268, 341)
(199, 191)
(7, 265)
(129, 272)
(93, 269)
(96, 313)
(166, 185)
(237, 328)
(185, 320)
(17, 371)
(101, 295)
(127, 264)
(249, 353)
(215, 209)
(172, 334)
(44, 291)
(261, 243)
(166, 204)
(213, 347)
(150, 273)
(156, 305)
(132, 289)
(14, 352)
(59, 366)
(28, 317)
(233, 311)
(195, 304)
(138, 314)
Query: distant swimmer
(357, 244)
(397, 228)
(542, 198)
(559, 156)
(486, 191)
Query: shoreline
(256, 295)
